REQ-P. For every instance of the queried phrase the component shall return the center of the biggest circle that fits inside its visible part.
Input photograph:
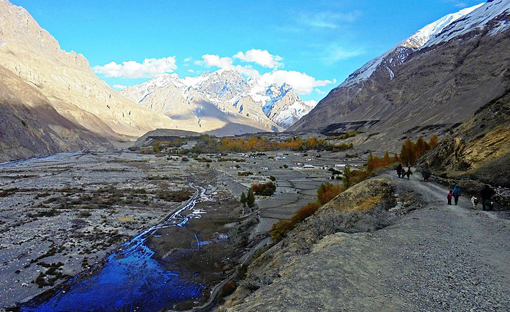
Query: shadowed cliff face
(30, 126)
(480, 148)
(442, 84)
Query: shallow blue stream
(130, 280)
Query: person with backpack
(449, 197)
(456, 193)
(486, 195)
(399, 170)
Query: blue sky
(313, 44)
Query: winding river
(128, 280)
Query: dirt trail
(438, 258)
(465, 254)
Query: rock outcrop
(362, 208)
(479, 149)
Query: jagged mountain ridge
(274, 107)
(438, 77)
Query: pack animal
(474, 202)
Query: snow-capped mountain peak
(228, 90)
(422, 36)
(442, 30)
(476, 19)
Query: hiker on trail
(449, 197)
(399, 170)
(486, 195)
(408, 173)
(456, 193)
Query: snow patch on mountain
(442, 30)
(273, 95)
(477, 19)
(230, 92)
(420, 38)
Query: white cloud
(188, 59)
(319, 91)
(301, 82)
(330, 20)
(119, 87)
(457, 3)
(247, 70)
(210, 60)
(335, 53)
(131, 69)
(261, 57)
(191, 70)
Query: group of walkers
(455, 193)
(402, 172)
(485, 194)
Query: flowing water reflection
(129, 279)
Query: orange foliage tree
(327, 192)
(412, 151)
(433, 141)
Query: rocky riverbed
(62, 217)
(63, 214)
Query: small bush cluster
(8, 192)
(264, 189)
(223, 159)
(174, 196)
(325, 194)
(244, 173)
(203, 159)
(343, 136)
(84, 213)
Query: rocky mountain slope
(29, 125)
(221, 94)
(433, 80)
(69, 88)
(479, 149)
(66, 78)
